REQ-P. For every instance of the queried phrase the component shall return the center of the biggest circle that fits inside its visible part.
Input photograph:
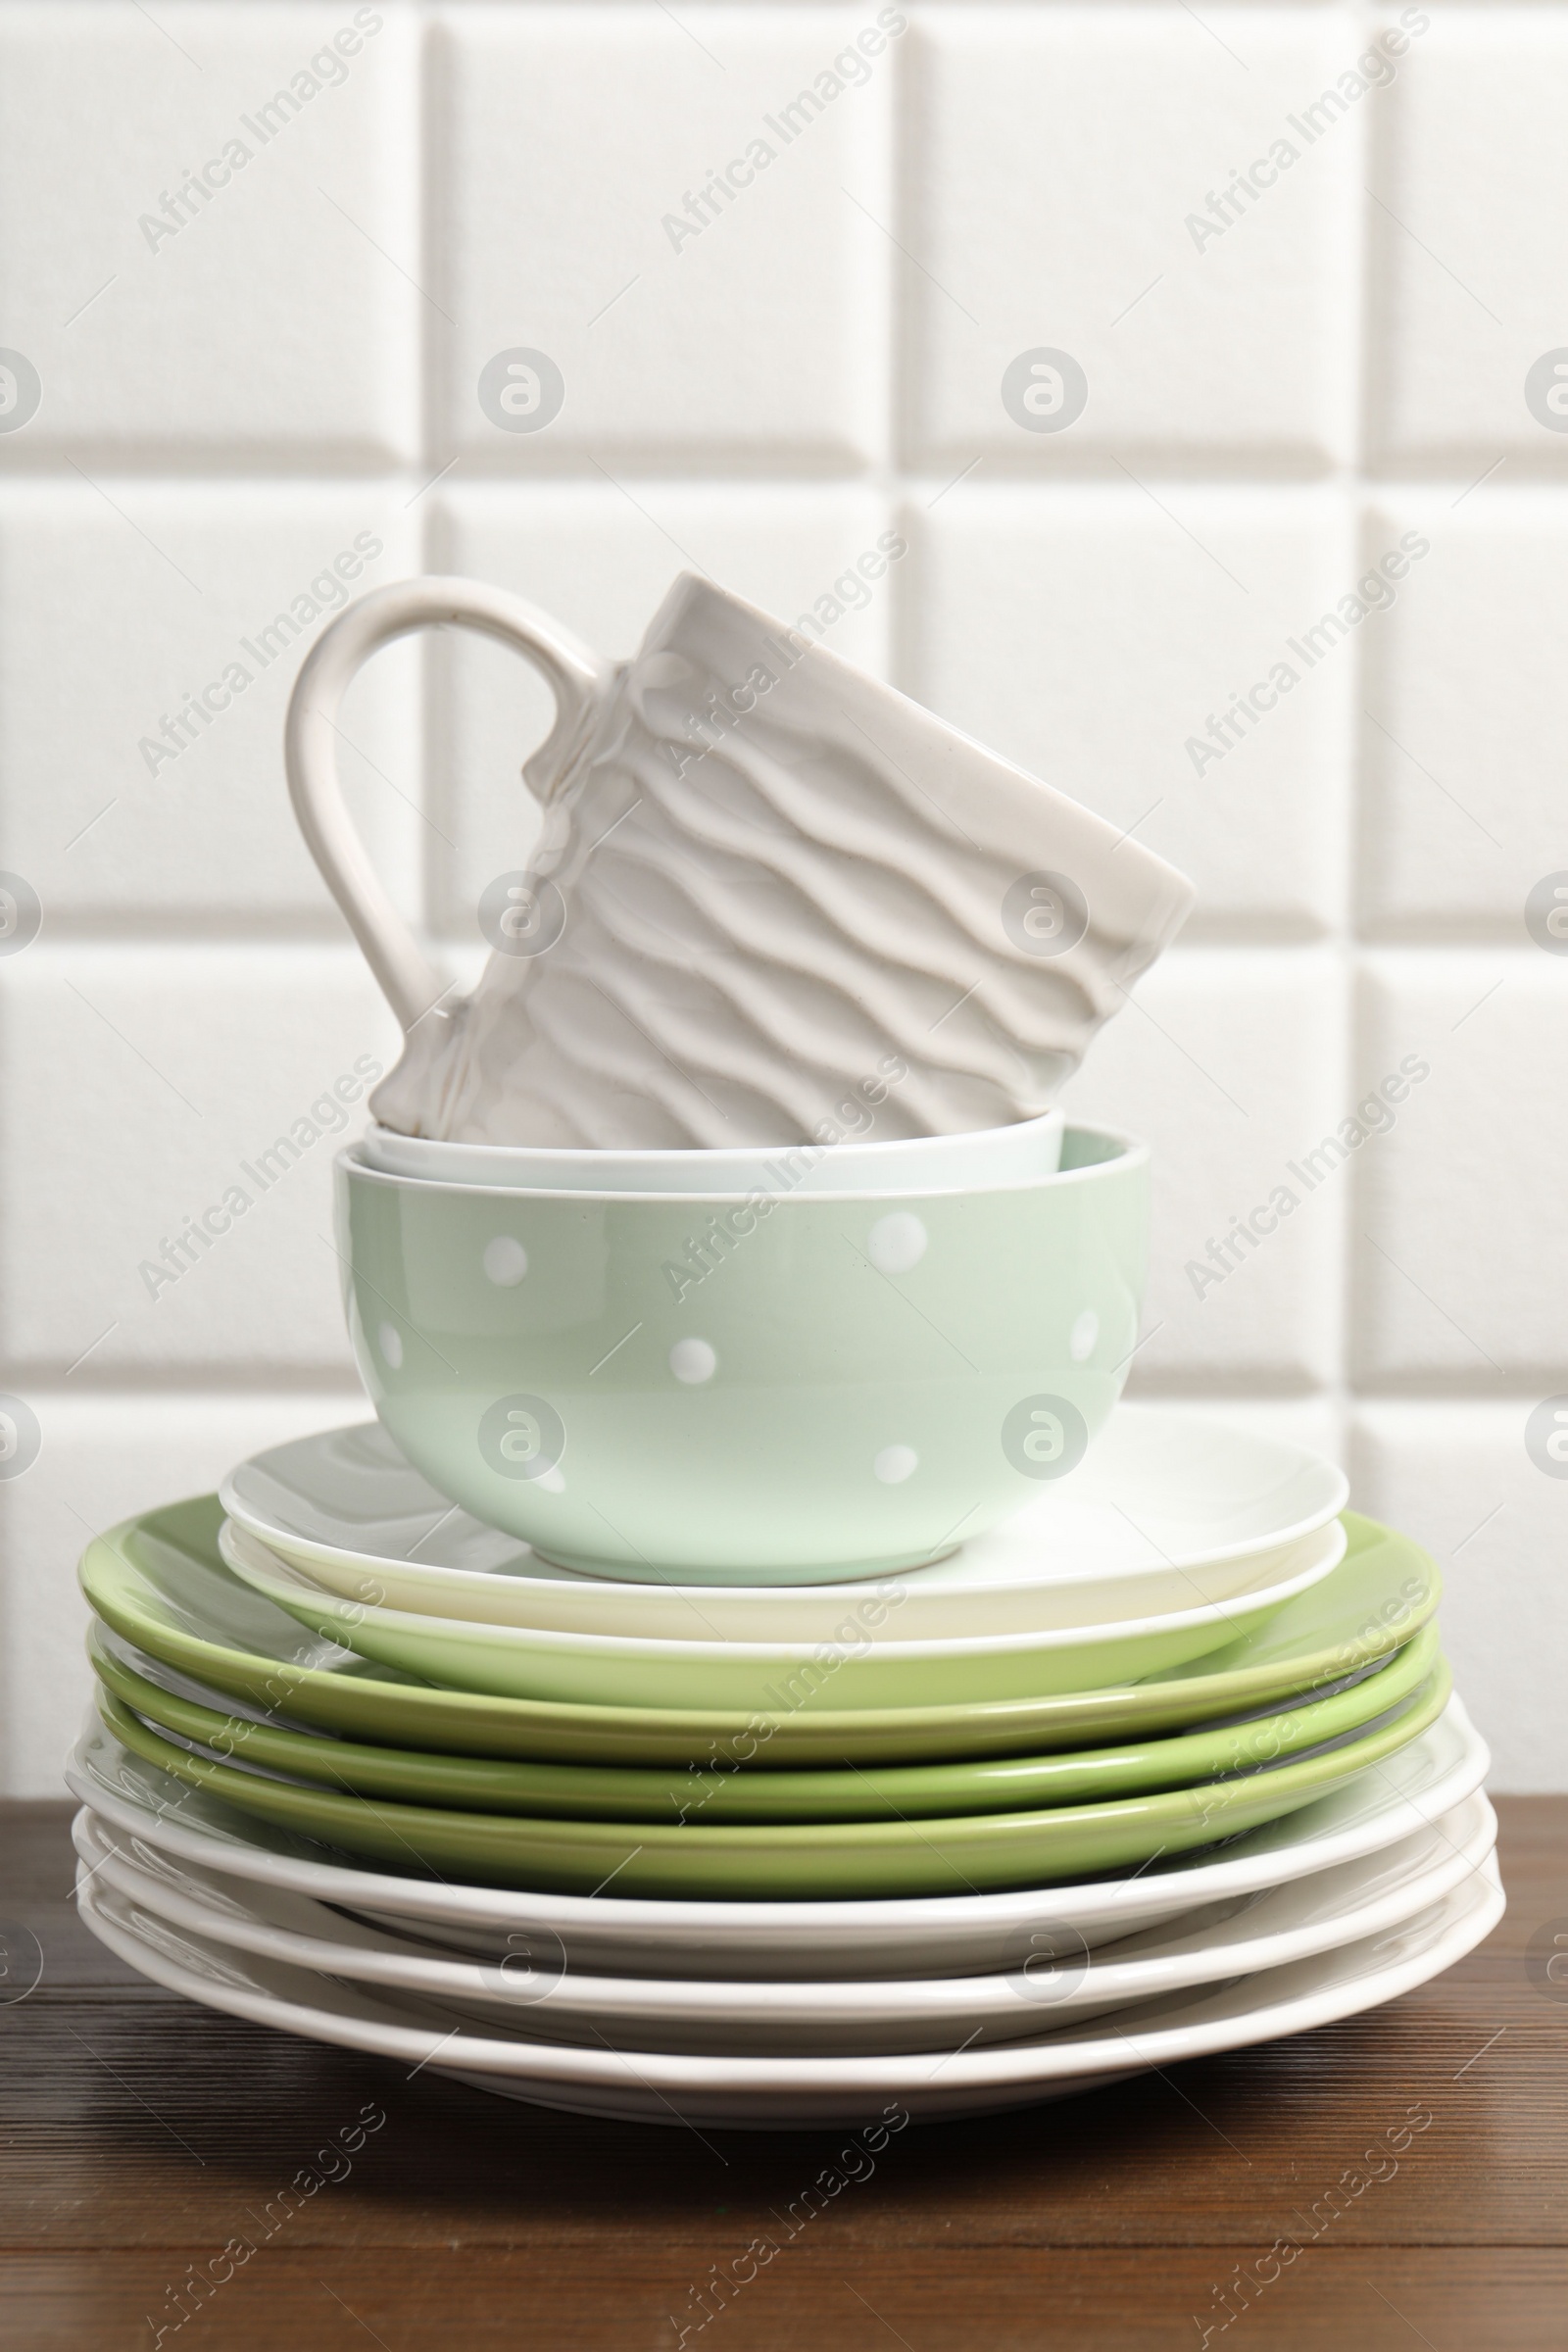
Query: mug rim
(1130, 1156)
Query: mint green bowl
(776, 1389)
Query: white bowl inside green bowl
(983, 1157)
(756, 1390)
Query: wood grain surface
(140, 2137)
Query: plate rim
(977, 2068)
(782, 1846)
(116, 1586)
(867, 1996)
(514, 1907)
(781, 1656)
(1410, 1664)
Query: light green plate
(159, 1582)
(798, 1862)
(480, 1784)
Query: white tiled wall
(1276, 402)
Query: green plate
(480, 1785)
(159, 1582)
(790, 1862)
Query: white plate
(655, 2087)
(1165, 1511)
(978, 1160)
(1053, 1978)
(908, 1937)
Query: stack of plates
(1166, 1766)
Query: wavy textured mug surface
(792, 902)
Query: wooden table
(139, 2135)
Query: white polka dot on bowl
(693, 1361)
(505, 1261)
(895, 1463)
(897, 1243)
(1085, 1331)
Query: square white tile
(172, 1206)
(1156, 661)
(147, 652)
(209, 232)
(1463, 727)
(694, 274)
(1226, 1063)
(1459, 1270)
(1126, 186)
(1468, 232)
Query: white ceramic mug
(762, 879)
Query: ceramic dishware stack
(753, 1669)
(532, 1873)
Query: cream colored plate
(519, 1661)
(1168, 1511)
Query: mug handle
(578, 678)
